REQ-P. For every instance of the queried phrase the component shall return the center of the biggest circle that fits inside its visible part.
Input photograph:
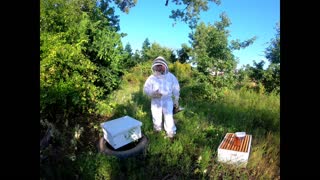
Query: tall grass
(200, 129)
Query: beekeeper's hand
(156, 94)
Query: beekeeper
(164, 90)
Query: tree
(105, 14)
(234, 44)
(244, 73)
(156, 50)
(145, 48)
(272, 78)
(66, 73)
(137, 56)
(125, 5)
(210, 49)
(129, 61)
(237, 45)
(273, 51)
(212, 53)
(272, 74)
(146, 44)
(188, 13)
(128, 49)
(184, 53)
(81, 57)
(257, 71)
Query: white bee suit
(167, 85)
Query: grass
(200, 129)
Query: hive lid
(120, 125)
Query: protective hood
(160, 61)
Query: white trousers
(163, 106)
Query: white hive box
(230, 153)
(121, 131)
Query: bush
(183, 72)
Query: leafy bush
(80, 64)
(198, 92)
(272, 78)
(183, 72)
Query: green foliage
(96, 166)
(213, 55)
(200, 92)
(183, 72)
(204, 160)
(267, 80)
(66, 76)
(236, 44)
(145, 47)
(191, 12)
(128, 49)
(200, 129)
(141, 72)
(125, 5)
(224, 23)
(273, 51)
(243, 74)
(80, 64)
(259, 110)
(264, 162)
(57, 15)
(146, 44)
(79, 59)
(210, 49)
(272, 78)
(206, 88)
(136, 57)
(184, 53)
(156, 50)
(82, 71)
(272, 74)
(257, 74)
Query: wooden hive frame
(228, 143)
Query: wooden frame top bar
(228, 143)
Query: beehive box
(229, 152)
(121, 131)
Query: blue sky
(150, 19)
